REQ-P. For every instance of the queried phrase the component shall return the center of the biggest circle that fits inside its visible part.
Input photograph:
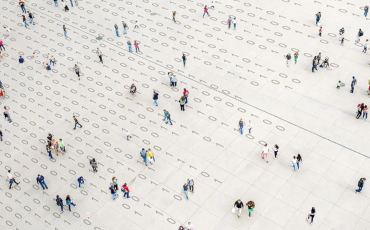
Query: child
(342, 41)
(320, 30)
(338, 85)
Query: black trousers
(182, 107)
(101, 58)
(359, 114)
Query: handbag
(233, 210)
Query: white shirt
(266, 149)
(190, 227)
(249, 125)
(365, 44)
(9, 175)
(234, 21)
(128, 133)
(294, 161)
(275, 149)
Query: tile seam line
(206, 86)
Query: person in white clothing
(294, 163)
(189, 226)
(365, 46)
(265, 152)
(128, 135)
(234, 21)
(250, 126)
(7, 30)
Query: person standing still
(249, 127)
(94, 165)
(299, 160)
(353, 83)
(41, 180)
(311, 214)
(1, 135)
(185, 187)
(81, 182)
(364, 114)
(21, 62)
(341, 34)
(288, 57)
(205, 11)
(360, 185)
(2, 45)
(143, 155)
(191, 185)
(168, 118)
(100, 55)
(174, 16)
(174, 81)
(366, 10)
(113, 192)
(229, 21)
(239, 206)
(365, 46)
(241, 125)
(116, 28)
(182, 103)
(184, 59)
(136, 44)
(265, 152)
(185, 94)
(31, 17)
(276, 150)
(129, 46)
(155, 97)
(320, 31)
(359, 35)
(76, 122)
(126, 191)
(65, 31)
(234, 21)
(318, 17)
(125, 27)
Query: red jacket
(185, 91)
(126, 188)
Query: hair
(293, 157)
(313, 210)
(113, 178)
(265, 144)
(9, 171)
(124, 184)
(38, 175)
(299, 154)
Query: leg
(298, 164)
(75, 126)
(61, 207)
(186, 194)
(69, 207)
(80, 125)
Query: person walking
(71, 3)
(7, 115)
(205, 11)
(81, 182)
(76, 122)
(116, 28)
(294, 163)
(185, 187)
(249, 126)
(250, 204)
(360, 108)
(359, 35)
(69, 202)
(41, 181)
(299, 160)
(318, 18)
(320, 31)
(341, 34)
(165, 112)
(265, 152)
(184, 59)
(125, 27)
(129, 46)
(168, 118)
(311, 214)
(276, 150)
(174, 81)
(59, 202)
(21, 62)
(56, 3)
(126, 191)
(365, 46)
(150, 156)
(48, 69)
(366, 10)
(1, 135)
(143, 155)
(239, 206)
(65, 31)
(48, 149)
(136, 44)
(189, 226)
(353, 83)
(191, 185)
(94, 165)
(339, 84)
(155, 97)
(62, 147)
(77, 70)
(241, 125)
(342, 41)
(174, 16)
(2, 45)
(182, 103)
(185, 94)
(100, 55)
(31, 17)
(128, 135)
(11, 179)
(360, 185)
(22, 5)
(234, 21)
(288, 57)
(313, 64)
(364, 114)
(296, 54)
(115, 184)
(113, 192)
(229, 21)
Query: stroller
(325, 63)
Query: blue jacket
(81, 181)
(41, 179)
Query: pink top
(136, 45)
(1, 42)
(6, 111)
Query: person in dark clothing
(41, 180)
(76, 122)
(360, 185)
(311, 215)
(360, 108)
(239, 206)
(59, 202)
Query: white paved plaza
(230, 74)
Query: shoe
(43, 189)
(81, 126)
(74, 128)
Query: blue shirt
(353, 82)
(143, 153)
(21, 60)
(40, 180)
(185, 187)
(48, 67)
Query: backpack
(360, 183)
(361, 33)
(58, 202)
